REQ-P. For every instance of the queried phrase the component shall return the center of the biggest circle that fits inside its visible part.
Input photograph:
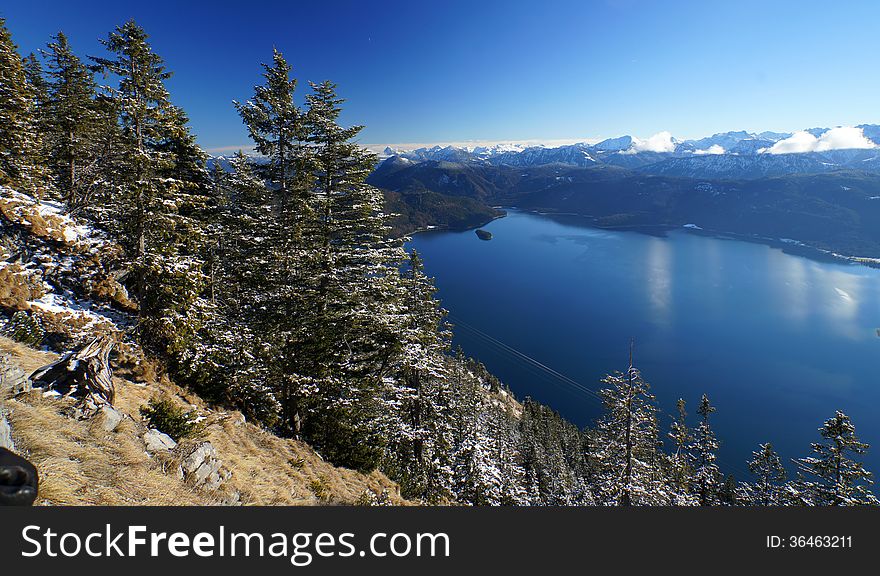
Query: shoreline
(455, 228)
(786, 245)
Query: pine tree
(282, 286)
(153, 207)
(681, 461)
(552, 457)
(464, 409)
(73, 123)
(418, 421)
(729, 492)
(39, 91)
(229, 359)
(625, 443)
(707, 477)
(840, 480)
(275, 124)
(769, 487)
(486, 467)
(21, 147)
(354, 316)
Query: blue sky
(454, 71)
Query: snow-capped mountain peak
(634, 152)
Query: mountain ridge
(752, 151)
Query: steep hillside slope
(81, 462)
(56, 289)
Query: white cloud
(840, 138)
(713, 149)
(660, 142)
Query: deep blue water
(777, 341)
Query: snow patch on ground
(53, 212)
(67, 305)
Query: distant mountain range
(740, 183)
(728, 155)
(817, 188)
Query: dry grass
(27, 215)
(80, 464)
(17, 288)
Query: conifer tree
(486, 467)
(228, 362)
(484, 463)
(275, 124)
(681, 461)
(354, 316)
(158, 191)
(39, 89)
(73, 122)
(552, 457)
(464, 408)
(282, 286)
(625, 443)
(769, 486)
(707, 478)
(21, 147)
(419, 423)
(839, 479)
(729, 492)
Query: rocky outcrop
(5, 433)
(202, 468)
(13, 380)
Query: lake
(777, 341)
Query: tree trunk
(83, 374)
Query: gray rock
(158, 441)
(13, 380)
(5, 433)
(202, 467)
(110, 418)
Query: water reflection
(658, 276)
(842, 293)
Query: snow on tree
(417, 418)
(73, 123)
(706, 480)
(625, 441)
(353, 316)
(832, 476)
(157, 191)
(552, 455)
(229, 359)
(681, 461)
(21, 146)
(769, 486)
